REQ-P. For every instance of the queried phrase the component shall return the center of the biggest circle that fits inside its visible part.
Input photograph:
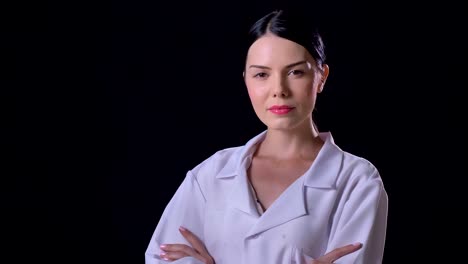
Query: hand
(337, 253)
(198, 250)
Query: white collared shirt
(338, 201)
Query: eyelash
(295, 72)
(258, 75)
(300, 72)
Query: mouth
(281, 109)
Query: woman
(290, 194)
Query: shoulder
(225, 162)
(344, 165)
(352, 169)
(360, 173)
(214, 175)
(218, 161)
(359, 166)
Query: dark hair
(291, 26)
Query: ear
(323, 77)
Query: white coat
(340, 200)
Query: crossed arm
(365, 211)
(172, 252)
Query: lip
(280, 109)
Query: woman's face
(282, 80)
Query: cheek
(308, 89)
(251, 94)
(306, 95)
(256, 92)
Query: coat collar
(234, 166)
(322, 174)
(291, 203)
(327, 165)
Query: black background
(106, 105)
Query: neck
(301, 143)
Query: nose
(280, 88)
(282, 94)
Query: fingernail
(162, 254)
(357, 244)
(182, 228)
(162, 246)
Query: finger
(340, 252)
(173, 255)
(177, 248)
(202, 253)
(196, 243)
(173, 252)
(186, 250)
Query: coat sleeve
(363, 219)
(186, 208)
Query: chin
(281, 126)
(285, 124)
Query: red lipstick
(280, 109)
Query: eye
(296, 72)
(261, 75)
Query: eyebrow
(287, 66)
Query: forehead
(276, 51)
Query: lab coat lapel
(324, 171)
(292, 202)
(289, 205)
(240, 196)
